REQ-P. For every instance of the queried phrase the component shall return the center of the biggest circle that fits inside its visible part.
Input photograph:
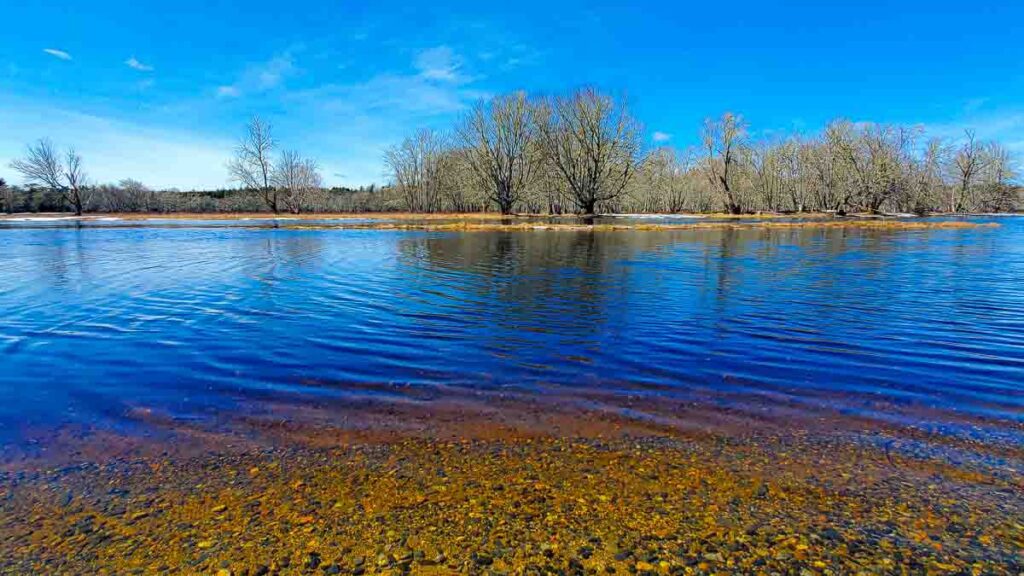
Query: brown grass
(467, 216)
(493, 221)
(567, 227)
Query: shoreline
(508, 486)
(474, 216)
(462, 222)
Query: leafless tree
(998, 194)
(829, 173)
(664, 183)
(297, 179)
(462, 187)
(138, 196)
(766, 160)
(44, 167)
(793, 160)
(969, 162)
(928, 183)
(724, 140)
(500, 138)
(418, 168)
(878, 156)
(7, 194)
(593, 143)
(252, 166)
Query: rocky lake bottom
(314, 398)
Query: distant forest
(582, 152)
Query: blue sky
(159, 91)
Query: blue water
(193, 319)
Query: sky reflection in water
(194, 320)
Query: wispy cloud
(228, 92)
(134, 63)
(261, 77)
(112, 149)
(59, 54)
(661, 137)
(440, 63)
(1006, 127)
(435, 86)
(352, 123)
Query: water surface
(200, 319)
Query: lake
(195, 320)
(285, 397)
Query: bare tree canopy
(582, 152)
(7, 195)
(724, 142)
(418, 167)
(43, 166)
(252, 166)
(297, 178)
(499, 138)
(970, 160)
(593, 143)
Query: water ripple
(923, 326)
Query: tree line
(581, 152)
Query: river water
(196, 320)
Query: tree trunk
(505, 203)
(587, 206)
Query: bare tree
(878, 156)
(723, 142)
(997, 194)
(594, 144)
(7, 194)
(769, 174)
(664, 184)
(969, 162)
(928, 183)
(42, 166)
(462, 187)
(499, 137)
(828, 169)
(252, 166)
(793, 158)
(138, 196)
(297, 178)
(418, 168)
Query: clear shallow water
(194, 319)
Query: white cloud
(349, 125)
(439, 63)
(133, 63)
(113, 150)
(60, 54)
(273, 71)
(661, 137)
(392, 95)
(261, 77)
(436, 88)
(1006, 127)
